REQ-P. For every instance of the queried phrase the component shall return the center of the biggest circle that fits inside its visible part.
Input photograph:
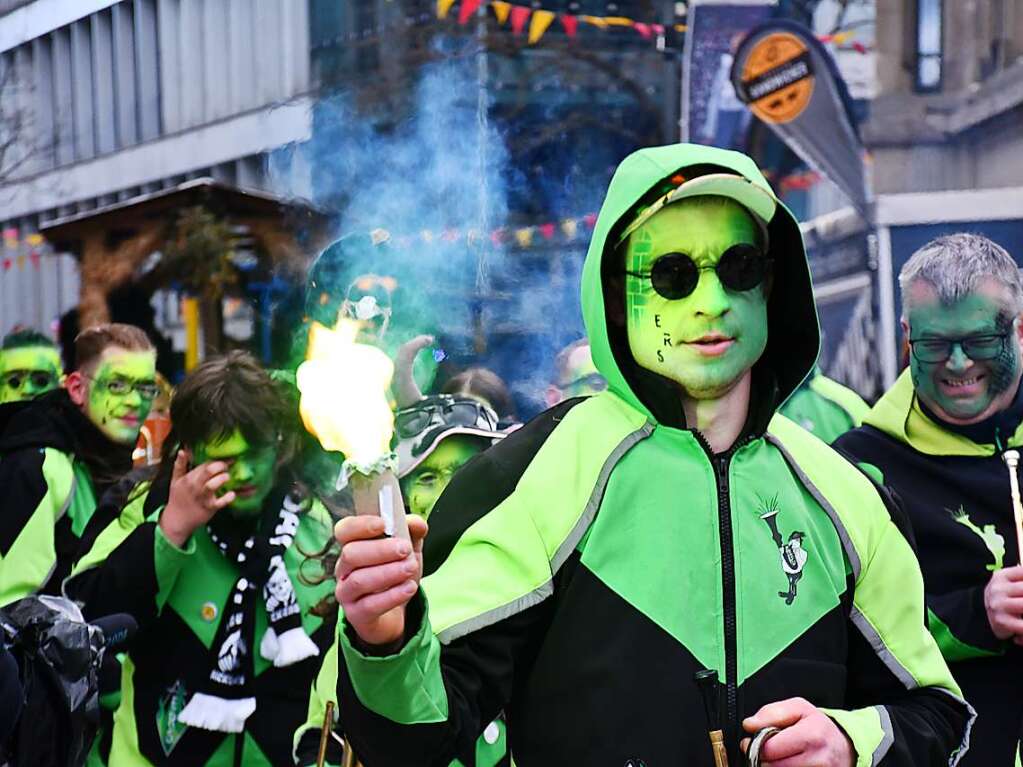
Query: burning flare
(344, 394)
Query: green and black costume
(955, 488)
(824, 407)
(179, 596)
(580, 572)
(54, 465)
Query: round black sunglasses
(675, 275)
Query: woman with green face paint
(207, 559)
(938, 438)
(620, 544)
(29, 366)
(437, 436)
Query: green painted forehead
(975, 313)
(120, 363)
(231, 446)
(30, 358)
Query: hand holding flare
(343, 385)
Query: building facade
(107, 100)
(945, 133)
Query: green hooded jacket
(580, 572)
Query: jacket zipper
(719, 465)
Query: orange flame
(344, 385)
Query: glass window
(928, 45)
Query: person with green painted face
(938, 438)
(61, 451)
(580, 574)
(209, 559)
(29, 366)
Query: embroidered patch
(793, 555)
(167, 711)
(993, 540)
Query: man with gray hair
(937, 438)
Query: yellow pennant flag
(569, 227)
(501, 11)
(538, 25)
(524, 237)
(618, 21)
(443, 6)
(596, 21)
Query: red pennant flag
(859, 47)
(519, 17)
(497, 236)
(468, 8)
(643, 29)
(547, 230)
(590, 219)
(570, 23)
(7, 264)
(34, 256)
(657, 28)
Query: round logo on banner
(777, 77)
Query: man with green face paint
(595, 573)
(29, 366)
(207, 559)
(938, 438)
(60, 452)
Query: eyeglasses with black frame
(985, 346)
(741, 267)
(122, 387)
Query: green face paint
(113, 402)
(423, 486)
(961, 390)
(252, 470)
(28, 371)
(708, 340)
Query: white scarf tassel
(220, 714)
(292, 646)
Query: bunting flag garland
(14, 241)
(522, 236)
(537, 21)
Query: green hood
(793, 333)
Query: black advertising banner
(711, 113)
(788, 79)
